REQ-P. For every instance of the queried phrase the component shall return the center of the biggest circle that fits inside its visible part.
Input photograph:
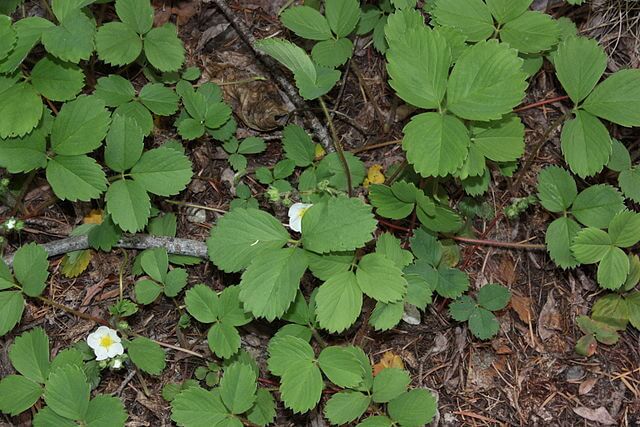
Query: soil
(528, 375)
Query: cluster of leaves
(482, 322)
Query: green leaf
(163, 171)
(298, 145)
(500, 141)
(231, 309)
(629, 182)
(29, 355)
(117, 44)
(418, 67)
(386, 316)
(390, 246)
(241, 235)
(252, 145)
(306, 22)
(556, 189)
(376, 421)
(387, 204)
(332, 169)
(332, 53)
(613, 269)
(223, 339)
(586, 144)
(67, 392)
(6, 278)
(270, 283)
(155, 262)
(202, 303)
(483, 324)
(176, 280)
(105, 235)
(507, 10)
(105, 411)
(197, 407)
(579, 63)
(125, 142)
(11, 308)
(20, 108)
(414, 408)
(471, 17)
(617, 99)
(620, 159)
(597, 205)
(76, 178)
(346, 406)
(129, 205)
(560, 234)
(114, 90)
(18, 394)
(624, 229)
(163, 48)
(531, 32)
(486, 82)
(338, 302)
(217, 115)
(30, 267)
(80, 126)
(327, 265)
(337, 224)
(57, 80)
(263, 411)
(341, 366)
(238, 387)
(380, 279)
(436, 144)
(28, 31)
(301, 386)
(8, 36)
(190, 129)
(48, 418)
(462, 308)
(147, 291)
(287, 350)
(591, 245)
(389, 384)
(137, 14)
(73, 39)
(159, 99)
(493, 297)
(448, 282)
(343, 16)
(147, 355)
(24, 154)
(419, 293)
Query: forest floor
(528, 375)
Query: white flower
(296, 212)
(10, 224)
(105, 343)
(117, 364)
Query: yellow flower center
(302, 211)
(106, 341)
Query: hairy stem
(337, 145)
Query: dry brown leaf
(389, 360)
(94, 217)
(587, 385)
(549, 319)
(507, 271)
(522, 306)
(599, 415)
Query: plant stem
(318, 337)
(193, 205)
(540, 103)
(243, 81)
(498, 244)
(374, 146)
(337, 145)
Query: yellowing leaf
(389, 360)
(374, 176)
(319, 152)
(75, 263)
(94, 217)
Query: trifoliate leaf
(380, 279)
(341, 366)
(346, 406)
(613, 269)
(129, 205)
(67, 392)
(30, 267)
(624, 229)
(147, 355)
(531, 32)
(579, 63)
(287, 350)
(418, 65)
(29, 355)
(125, 142)
(556, 189)
(436, 144)
(298, 145)
(137, 14)
(105, 411)
(114, 90)
(146, 291)
(73, 39)
(57, 80)
(501, 140)
(270, 283)
(11, 308)
(238, 387)
(338, 302)
(597, 205)
(343, 16)
(414, 408)
(24, 154)
(332, 53)
(80, 126)
(163, 171)
(306, 22)
(386, 315)
(483, 324)
(493, 297)
(591, 245)
(241, 235)
(337, 224)
(472, 17)
(586, 144)
(163, 48)
(629, 182)
(301, 386)
(486, 82)
(197, 407)
(76, 178)
(507, 10)
(28, 31)
(159, 99)
(389, 383)
(20, 108)
(617, 99)
(560, 234)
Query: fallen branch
(173, 245)
(289, 90)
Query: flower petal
(93, 340)
(101, 353)
(115, 349)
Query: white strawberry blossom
(105, 343)
(296, 212)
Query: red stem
(540, 103)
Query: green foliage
(482, 322)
